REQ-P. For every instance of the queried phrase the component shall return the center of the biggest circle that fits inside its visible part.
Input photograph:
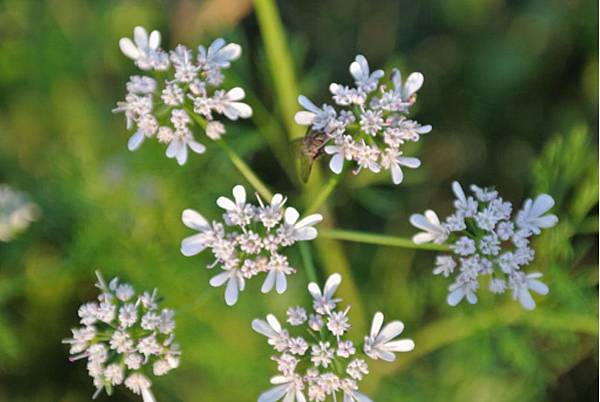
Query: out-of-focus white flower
(139, 339)
(370, 124)
(249, 242)
(380, 343)
(188, 93)
(16, 212)
(324, 366)
(488, 244)
(433, 229)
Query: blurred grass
(511, 90)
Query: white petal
(281, 283)
(219, 279)
(154, 41)
(243, 110)
(304, 234)
(173, 148)
(226, 203)
(526, 300)
(432, 217)
(196, 147)
(193, 245)
(274, 323)
(336, 163)
(331, 285)
(412, 85)
(182, 155)
(128, 48)
(263, 328)
(402, 345)
(274, 394)
(135, 141)
(409, 162)
(215, 46)
(140, 37)
(310, 220)
(456, 296)
(376, 324)
(397, 175)
(236, 94)
(269, 282)
(547, 221)
(422, 237)
(291, 215)
(386, 355)
(304, 118)
(193, 220)
(541, 205)
(314, 290)
(538, 287)
(239, 194)
(471, 297)
(231, 292)
(307, 104)
(458, 191)
(147, 395)
(391, 330)
(230, 52)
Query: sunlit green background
(510, 89)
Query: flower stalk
(382, 240)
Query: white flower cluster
(182, 88)
(370, 124)
(488, 243)
(122, 336)
(16, 212)
(249, 241)
(326, 365)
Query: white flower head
(249, 242)
(121, 345)
(368, 125)
(324, 365)
(487, 244)
(186, 100)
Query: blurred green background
(511, 89)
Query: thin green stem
(324, 193)
(246, 171)
(382, 240)
(307, 259)
(238, 162)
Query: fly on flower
(325, 366)
(308, 150)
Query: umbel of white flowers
(326, 365)
(181, 86)
(370, 125)
(16, 212)
(249, 241)
(124, 337)
(487, 243)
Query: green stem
(246, 171)
(280, 62)
(307, 259)
(237, 161)
(382, 240)
(324, 193)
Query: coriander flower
(488, 242)
(249, 241)
(16, 212)
(188, 92)
(324, 365)
(369, 124)
(125, 338)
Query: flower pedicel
(249, 241)
(326, 365)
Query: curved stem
(237, 161)
(382, 240)
(307, 259)
(324, 193)
(246, 171)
